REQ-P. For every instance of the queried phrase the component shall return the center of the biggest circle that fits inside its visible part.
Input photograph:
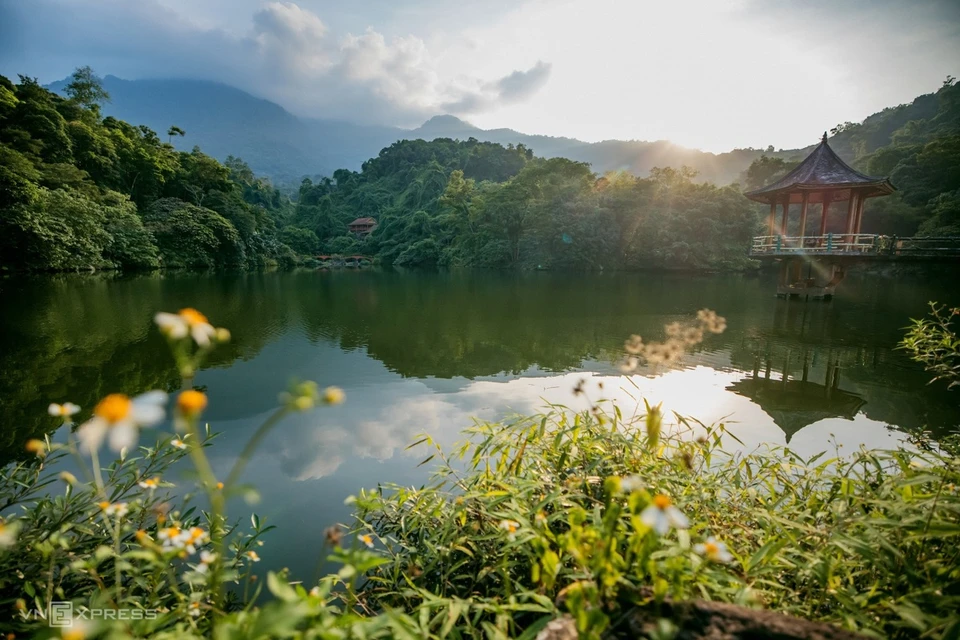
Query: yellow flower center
(104, 505)
(73, 634)
(193, 317)
(114, 408)
(711, 548)
(191, 402)
(661, 501)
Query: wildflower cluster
(680, 338)
(304, 396)
(121, 544)
(188, 540)
(191, 337)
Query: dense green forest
(78, 191)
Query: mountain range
(223, 120)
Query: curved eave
(837, 192)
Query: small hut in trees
(362, 226)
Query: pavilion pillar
(851, 210)
(823, 217)
(803, 215)
(786, 213)
(772, 219)
(859, 215)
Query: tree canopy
(78, 191)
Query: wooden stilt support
(786, 213)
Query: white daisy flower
(206, 559)
(8, 534)
(662, 514)
(511, 527)
(64, 410)
(366, 539)
(194, 538)
(631, 484)
(253, 556)
(150, 483)
(714, 551)
(178, 443)
(118, 509)
(177, 326)
(121, 417)
(172, 537)
(194, 609)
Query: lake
(429, 352)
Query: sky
(708, 74)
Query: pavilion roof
(364, 220)
(821, 172)
(794, 404)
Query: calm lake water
(429, 352)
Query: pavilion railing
(861, 243)
(855, 244)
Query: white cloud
(287, 54)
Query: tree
(175, 131)
(86, 89)
(766, 170)
(303, 241)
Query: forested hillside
(79, 191)
(481, 204)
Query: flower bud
(333, 395)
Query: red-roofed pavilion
(822, 178)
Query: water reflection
(421, 352)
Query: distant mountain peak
(446, 122)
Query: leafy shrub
(191, 236)
(131, 245)
(57, 230)
(302, 241)
(551, 509)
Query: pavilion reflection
(794, 403)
